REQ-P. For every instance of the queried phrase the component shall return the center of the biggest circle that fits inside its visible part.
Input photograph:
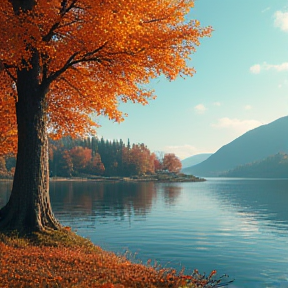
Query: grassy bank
(158, 177)
(64, 259)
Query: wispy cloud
(239, 126)
(183, 151)
(247, 107)
(200, 108)
(279, 68)
(265, 10)
(217, 104)
(257, 68)
(281, 20)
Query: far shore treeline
(92, 156)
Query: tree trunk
(29, 207)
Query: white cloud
(217, 104)
(183, 151)
(256, 69)
(281, 20)
(239, 126)
(279, 68)
(247, 107)
(200, 108)
(265, 10)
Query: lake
(236, 226)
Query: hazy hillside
(275, 166)
(254, 145)
(194, 160)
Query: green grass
(51, 238)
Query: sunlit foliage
(8, 132)
(171, 163)
(72, 157)
(26, 265)
(91, 55)
(80, 156)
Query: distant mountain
(275, 166)
(194, 160)
(252, 146)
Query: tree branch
(63, 11)
(155, 20)
(65, 8)
(70, 23)
(72, 61)
(6, 68)
(56, 74)
(72, 86)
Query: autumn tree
(96, 166)
(64, 60)
(8, 131)
(140, 160)
(171, 163)
(81, 157)
(3, 169)
(158, 163)
(65, 164)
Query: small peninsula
(161, 177)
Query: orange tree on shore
(63, 60)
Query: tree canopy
(98, 157)
(92, 54)
(62, 61)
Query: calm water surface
(236, 226)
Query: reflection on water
(103, 201)
(236, 226)
(267, 198)
(108, 198)
(171, 193)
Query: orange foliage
(8, 132)
(96, 166)
(3, 170)
(80, 157)
(92, 54)
(35, 266)
(171, 163)
(139, 159)
(157, 163)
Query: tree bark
(29, 208)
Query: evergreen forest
(80, 157)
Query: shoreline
(159, 177)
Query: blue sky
(240, 84)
